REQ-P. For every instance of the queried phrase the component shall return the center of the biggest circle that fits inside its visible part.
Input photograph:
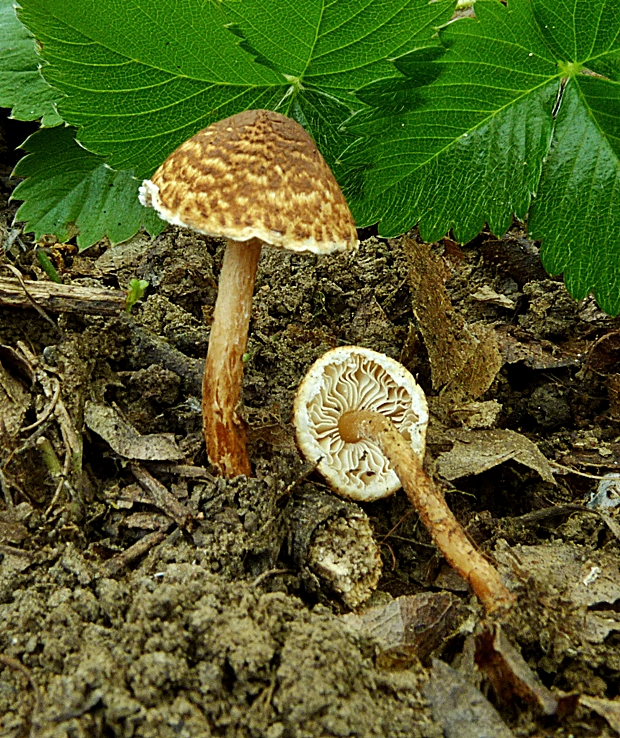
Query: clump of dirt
(177, 650)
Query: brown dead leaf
(125, 440)
(464, 359)
(604, 355)
(479, 370)
(510, 675)
(460, 709)
(447, 342)
(515, 256)
(477, 451)
(515, 345)
(413, 623)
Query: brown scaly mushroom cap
(257, 174)
(348, 379)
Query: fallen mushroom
(255, 178)
(361, 417)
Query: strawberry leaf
(22, 87)
(141, 77)
(517, 120)
(65, 185)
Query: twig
(556, 511)
(60, 298)
(161, 497)
(570, 470)
(48, 410)
(113, 566)
(269, 573)
(31, 302)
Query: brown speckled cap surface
(257, 174)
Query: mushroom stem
(446, 532)
(224, 430)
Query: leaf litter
(146, 597)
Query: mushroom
(254, 178)
(362, 418)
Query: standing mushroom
(362, 418)
(255, 178)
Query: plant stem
(446, 532)
(224, 430)
(47, 266)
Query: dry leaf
(477, 451)
(510, 675)
(479, 371)
(460, 709)
(416, 623)
(464, 359)
(488, 294)
(125, 440)
(516, 345)
(447, 342)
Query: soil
(217, 626)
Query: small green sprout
(135, 292)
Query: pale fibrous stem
(446, 531)
(224, 429)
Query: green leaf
(141, 77)
(65, 185)
(497, 131)
(577, 211)
(22, 87)
(327, 50)
(469, 148)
